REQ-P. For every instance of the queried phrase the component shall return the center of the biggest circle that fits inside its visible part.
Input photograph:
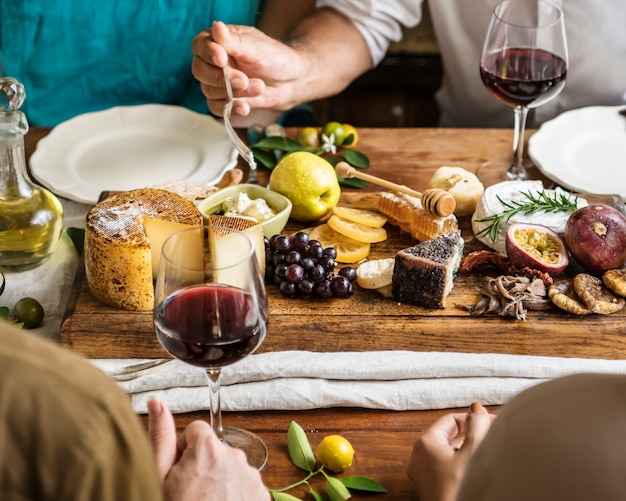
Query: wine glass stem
(215, 401)
(517, 170)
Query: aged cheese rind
(424, 275)
(118, 255)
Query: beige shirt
(561, 440)
(67, 432)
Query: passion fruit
(596, 237)
(537, 247)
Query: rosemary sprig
(559, 202)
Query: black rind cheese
(423, 275)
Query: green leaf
(356, 159)
(352, 182)
(299, 447)
(265, 158)
(283, 496)
(281, 143)
(78, 238)
(316, 495)
(4, 312)
(336, 490)
(362, 484)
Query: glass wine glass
(211, 311)
(523, 64)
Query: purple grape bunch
(303, 267)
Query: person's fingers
(235, 39)
(477, 425)
(162, 433)
(200, 432)
(208, 50)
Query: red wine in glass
(211, 311)
(523, 64)
(524, 76)
(209, 326)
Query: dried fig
(595, 296)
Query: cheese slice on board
(227, 250)
(124, 235)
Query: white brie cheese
(513, 191)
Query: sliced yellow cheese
(228, 251)
(123, 238)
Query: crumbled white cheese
(241, 205)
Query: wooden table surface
(383, 440)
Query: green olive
(28, 311)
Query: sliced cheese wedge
(228, 251)
(124, 235)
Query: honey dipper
(435, 201)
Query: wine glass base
(251, 444)
(497, 171)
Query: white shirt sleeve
(379, 21)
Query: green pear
(309, 182)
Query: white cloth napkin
(51, 282)
(392, 380)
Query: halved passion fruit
(537, 247)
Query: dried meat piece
(511, 296)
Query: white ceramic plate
(131, 147)
(583, 150)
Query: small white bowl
(279, 203)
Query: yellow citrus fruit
(365, 217)
(308, 136)
(335, 453)
(357, 231)
(349, 142)
(348, 250)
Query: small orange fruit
(350, 136)
(335, 453)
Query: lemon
(348, 250)
(351, 136)
(361, 216)
(308, 136)
(357, 231)
(335, 453)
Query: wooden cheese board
(366, 321)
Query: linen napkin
(391, 380)
(51, 282)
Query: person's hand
(441, 454)
(261, 69)
(196, 465)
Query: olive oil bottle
(31, 217)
